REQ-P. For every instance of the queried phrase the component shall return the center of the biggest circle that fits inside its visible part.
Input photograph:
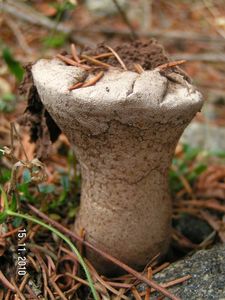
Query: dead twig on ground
(125, 19)
(117, 57)
(31, 292)
(19, 36)
(148, 289)
(95, 61)
(72, 62)
(135, 293)
(17, 290)
(75, 86)
(170, 65)
(172, 283)
(26, 13)
(74, 53)
(6, 282)
(103, 55)
(158, 33)
(93, 80)
(122, 265)
(138, 68)
(57, 289)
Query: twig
(138, 68)
(17, 290)
(103, 55)
(117, 57)
(173, 282)
(183, 180)
(26, 13)
(8, 294)
(136, 294)
(114, 260)
(74, 53)
(120, 284)
(19, 35)
(32, 261)
(170, 64)
(7, 234)
(170, 35)
(43, 269)
(160, 268)
(5, 282)
(50, 293)
(206, 204)
(74, 288)
(57, 289)
(13, 128)
(95, 61)
(31, 292)
(104, 283)
(125, 18)
(72, 62)
(69, 253)
(75, 86)
(148, 289)
(24, 281)
(83, 281)
(93, 80)
(42, 249)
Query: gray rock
(204, 136)
(208, 135)
(207, 268)
(104, 7)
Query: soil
(43, 129)
(148, 53)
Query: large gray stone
(207, 268)
(204, 136)
(104, 7)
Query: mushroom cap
(126, 96)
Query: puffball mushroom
(124, 131)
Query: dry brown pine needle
(93, 80)
(71, 62)
(75, 86)
(95, 61)
(117, 57)
(74, 53)
(138, 68)
(170, 64)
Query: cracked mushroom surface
(124, 130)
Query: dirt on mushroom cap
(147, 53)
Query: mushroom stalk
(124, 131)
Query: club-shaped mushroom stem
(124, 131)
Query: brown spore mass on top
(148, 53)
